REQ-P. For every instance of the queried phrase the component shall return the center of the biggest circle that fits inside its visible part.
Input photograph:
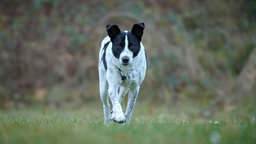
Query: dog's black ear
(113, 30)
(137, 29)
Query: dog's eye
(119, 46)
(132, 46)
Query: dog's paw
(118, 118)
(120, 121)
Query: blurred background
(200, 52)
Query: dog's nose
(125, 60)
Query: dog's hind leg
(105, 101)
(132, 97)
(104, 98)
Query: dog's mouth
(125, 64)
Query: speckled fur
(111, 80)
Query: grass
(85, 125)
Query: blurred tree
(246, 79)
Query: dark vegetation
(200, 51)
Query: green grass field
(149, 125)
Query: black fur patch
(118, 44)
(104, 56)
(133, 44)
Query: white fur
(112, 85)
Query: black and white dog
(122, 67)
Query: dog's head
(125, 44)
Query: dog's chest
(129, 77)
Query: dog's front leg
(132, 97)
(122, 92)
(117, 114)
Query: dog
(122, 68)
